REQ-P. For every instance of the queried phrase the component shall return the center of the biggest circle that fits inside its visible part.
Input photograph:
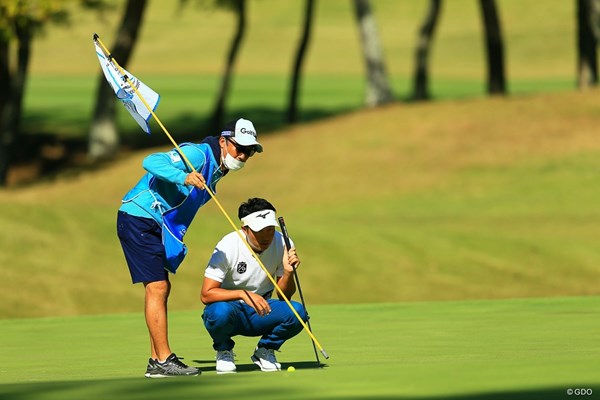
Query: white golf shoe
(225, 362)
(265, 359)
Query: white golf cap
(260, 219)
(243, 133)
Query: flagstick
(306, 328)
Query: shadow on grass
(46, 153)
(224, 388)
(250, 367)
(190, 127)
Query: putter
(286, 238)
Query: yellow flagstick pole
(187, 161)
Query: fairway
(539, 58)
(498, 349)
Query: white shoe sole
(161, 376)
(257, 362)
(226, 372)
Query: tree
(494, 47)
(587, 39)
(239, 7)
(20, 21)
(292, 113)
(426, 32)
(103, 139)
(378, 87)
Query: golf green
(499, 349)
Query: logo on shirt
(241, 267)
(263, 216)
(174, 155)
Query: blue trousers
(225, 319)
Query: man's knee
(158, 288)
(300, 310)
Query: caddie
(155, 215)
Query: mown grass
(187, 101)
(181, 55)
(503, 349)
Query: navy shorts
(141, 240)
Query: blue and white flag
(130, 98)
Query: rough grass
(489, 198)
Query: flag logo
(133, 98)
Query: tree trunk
(494, 47)
(218, 113)
(6, 140)
(103, 139)
(378, 87)
(421, 75)
(25, 36)
(587, 60)
(292, 114)
(595, 18)
(12, 110)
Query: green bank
(472, 199)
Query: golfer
(237, 292)
(155, 215)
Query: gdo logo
(580, 392)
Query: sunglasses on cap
(247, 150)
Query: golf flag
(119, 80)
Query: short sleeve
(217, 266)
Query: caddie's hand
(290, 260)
(195, 179)
(256, 301)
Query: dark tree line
(19, 26)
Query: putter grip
(284, 231)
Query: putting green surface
(499, 349)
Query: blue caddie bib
(177, 220)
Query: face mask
(233, 164)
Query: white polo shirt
(233, 265)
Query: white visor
(260, 219)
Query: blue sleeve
(171, 167)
